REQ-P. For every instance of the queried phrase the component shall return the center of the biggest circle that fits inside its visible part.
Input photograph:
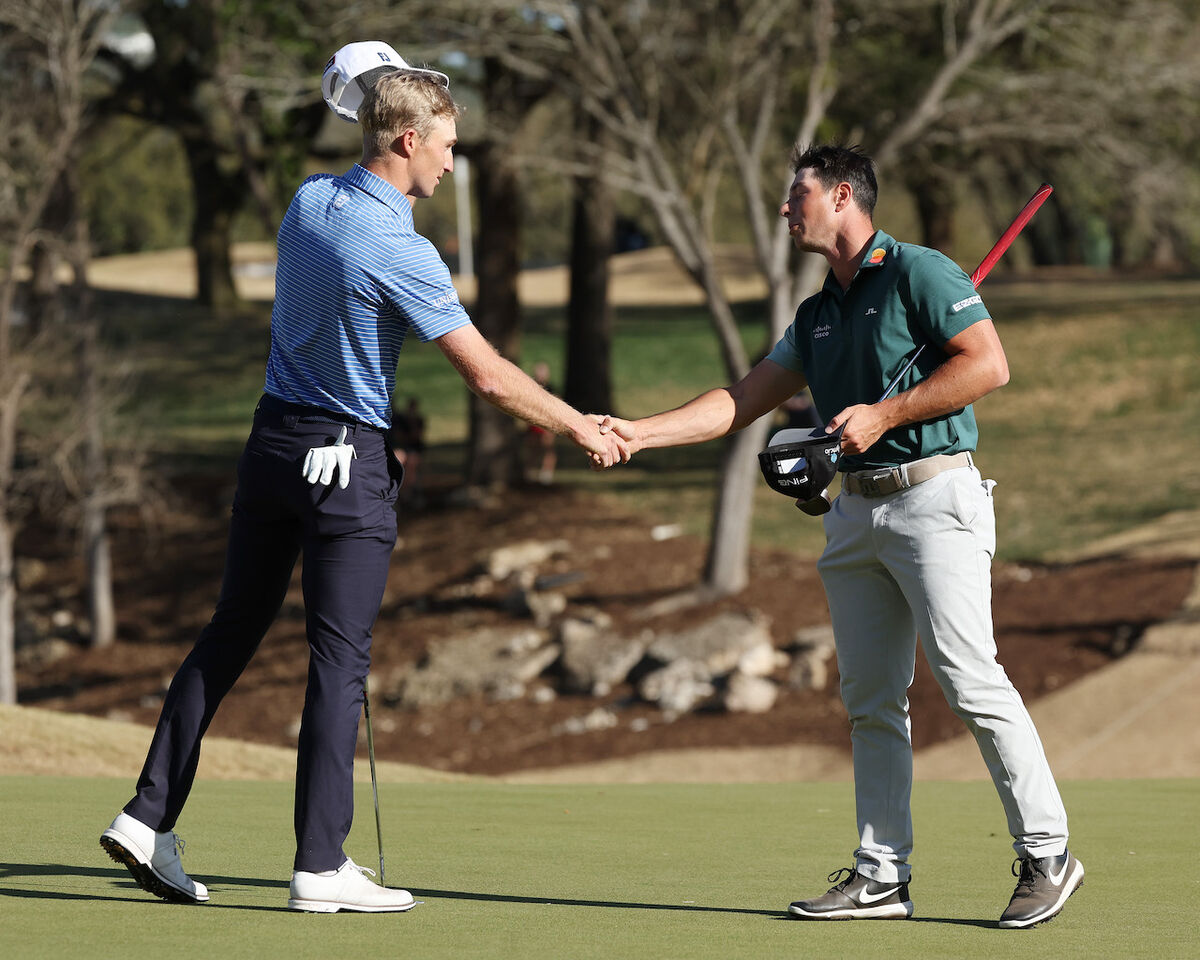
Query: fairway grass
(1103, 373)
(614, 872)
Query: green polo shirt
(850, 344)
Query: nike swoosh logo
(1057, 880)
(866, 898)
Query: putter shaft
(374, 781)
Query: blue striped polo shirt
(353, 277)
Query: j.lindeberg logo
(871, 311)
(822, 331)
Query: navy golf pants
(346, 537)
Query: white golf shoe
(153, 859)
(346, 888)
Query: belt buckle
(870, 485)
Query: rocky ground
(486, 650)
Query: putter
(374, 782)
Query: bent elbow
(1001, 374)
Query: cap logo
(383, 56)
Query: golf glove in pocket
(319, 462)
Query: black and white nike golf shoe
(856, 897)
(1043, 886)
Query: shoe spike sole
(143, 876)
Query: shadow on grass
(620, 904)
(674, 907)
(121, 879)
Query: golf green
(614, 872)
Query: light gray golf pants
(918, 563)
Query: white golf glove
(319, 462)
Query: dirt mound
(1055, 624)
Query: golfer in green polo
(910, 539)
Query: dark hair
(832, 164)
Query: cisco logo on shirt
(821, 332)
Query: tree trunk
(95, 524)
(45, 305)
(10, 406)
(8, 597)
(589, 314)
(726, 569)
(217, 200)
(933, 193)
(99, 564)
(493, 451)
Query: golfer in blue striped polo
(354, 280)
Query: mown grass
(1096, 432)
(616, 871)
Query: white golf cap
(351, 71)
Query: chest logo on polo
(871, 311)
(821, 332)
(877, 255)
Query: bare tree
(589, 313)
(701, 94)
(238, 83)
(45, 48)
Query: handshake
(613, 441)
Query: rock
(678, 687)
(492, 661)
(30, 572)
(598, 719)
(759, 661)
(594, 660)
(812, 648)
(542, 607)
(505, 688)
(42, 653)
(717, 645)
(749, 694)
(516, 557)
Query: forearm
(718, 412)
(708, 416)
(959, 381)
(507, 387)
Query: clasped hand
(319, 462)
(604, 447)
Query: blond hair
(402, 101)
